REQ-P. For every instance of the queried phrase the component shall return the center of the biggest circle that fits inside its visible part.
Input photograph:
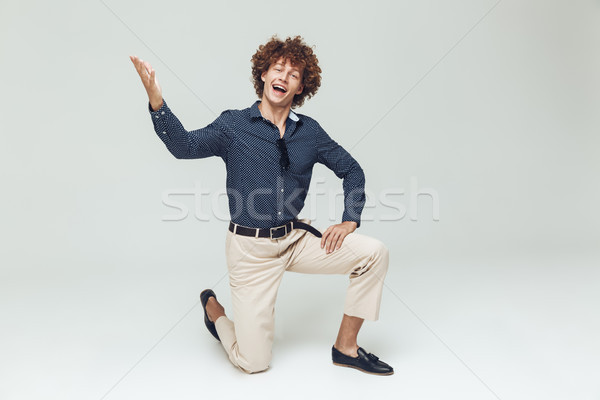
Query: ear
(300, 89)
(262, 76)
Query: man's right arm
(211, 140)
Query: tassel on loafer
(365, 362)
(204, 296)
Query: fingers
(333, 238)
(137, 62)
(340, 240)
(143, 67)
(148, 76)
(139, 66)
(148, 67)
(333, 242)
(325, 236)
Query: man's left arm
(345, 167)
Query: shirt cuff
(160, 110)
(160, 118)
(351, 216)
(353, 220)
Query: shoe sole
(363, 370)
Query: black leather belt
(273, 233)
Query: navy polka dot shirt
(261, 193)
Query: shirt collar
(255, 112)
(293, 116)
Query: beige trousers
(256, 266)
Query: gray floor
(511, 328)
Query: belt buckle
(276, 229)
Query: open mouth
(279, 88)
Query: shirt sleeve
(337, 159)
(212, 140)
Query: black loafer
(204, 296)
(365, 362)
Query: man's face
(282, 81)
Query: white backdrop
(492, 106)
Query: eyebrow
(294, 69)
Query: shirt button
(281, 190)
(163, 113)
(278, 212)
(157, 116)
(164, 132)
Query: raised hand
(148, 76)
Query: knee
(380, 253)
(379, 256)
(254, 363)
(383, 250)
(375, 258)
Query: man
(269, 152)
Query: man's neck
(277, 115)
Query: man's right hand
(148, 76)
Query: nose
(282, 76)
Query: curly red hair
(299, 54)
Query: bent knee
(383, 250)
(254, 363)
(375, 258)
(378, 260)
(379, 251)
